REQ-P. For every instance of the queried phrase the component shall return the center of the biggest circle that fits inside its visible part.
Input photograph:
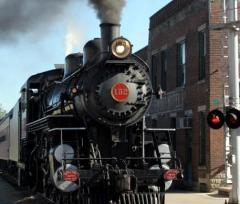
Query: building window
(181, 64)
(163, 70)
(202, 54)
(202, 139)
(2, 138)
(159, 66)
(154, 72)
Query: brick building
(187, 66)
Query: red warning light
(71, 176)
(171, 174)
(233, 118)
(215, 119)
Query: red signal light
(215, 119)
(233, 118)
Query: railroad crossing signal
(233, 118)
(216, 118)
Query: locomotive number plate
(120, 92)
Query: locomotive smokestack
(109, 31)
(109, 12)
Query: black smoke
(27, 16)
(21, 17)
(108, 11)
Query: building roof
(167, 11)
(142, 53)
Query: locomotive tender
(78, 135)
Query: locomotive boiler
(79, 133)
(112, 87)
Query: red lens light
(215, 119)
(171, 174)
(233, 118)
(71, 176)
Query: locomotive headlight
(121, 48)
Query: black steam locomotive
(78, 135)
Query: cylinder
(109, 32)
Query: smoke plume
(108, 11)
(73, 38)
(27, 16)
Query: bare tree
(2, 111)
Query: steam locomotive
(78, 134)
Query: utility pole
(225, 92)
(232, 16)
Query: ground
(12, 195)
(184, 197)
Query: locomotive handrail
(159, 129)
(49, 116)
(126, 158)
(60, 129)
(139, 158)
(120, 62)
(175, 161)
(106, 158)
(117, 159)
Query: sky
(38, 49)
